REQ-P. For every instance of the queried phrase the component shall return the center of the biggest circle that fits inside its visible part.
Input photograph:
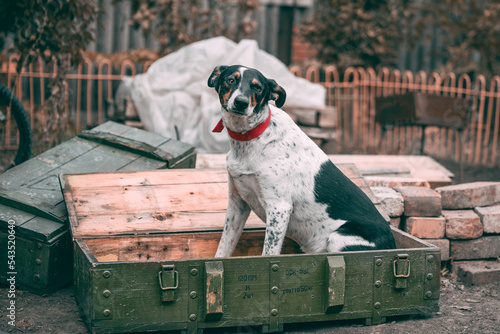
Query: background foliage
(55, 31)
(470, 30)
(358, 33)
(370, 32)
(177, 23)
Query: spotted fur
(286, 179)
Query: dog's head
(243, 90)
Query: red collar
(252, 134)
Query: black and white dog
(284, 177)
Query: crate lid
(145, 143)
(30, 224)
(30, 194)
(149, 202)
(155, 202)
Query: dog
(277, 171)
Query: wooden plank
(101, 159)
(148, 223)
(139, 141)
(418, 167)
(158, 198)
(406, 241)
(177, 246)
(187, 161)
(176, 150)
(127, 144)
(38, 167)
(111, 127)
(42, 229)
(65, 152)
(143, 163)
(215, 161)
(18, 216)
(140, 178)
(30, 204)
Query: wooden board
(421, 168)
(202, 245)
(156, 201)
(177, 246)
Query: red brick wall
(301, 49)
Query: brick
(307, 117)
(444, 245)
(390, 200)
(420, 201)
(395, 222)
(483, 248)
(462, 224)
(469, 195)
(425, 227)
(477, 272)
(328, 118)
(382, 212)
(490, 216)
(395, 181)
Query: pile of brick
(462, 220)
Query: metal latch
(401, 268)
(169, 281)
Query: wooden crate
(144, 245)
(31, 197)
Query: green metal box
(32, 203)
(144, 244)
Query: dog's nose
(241, 102)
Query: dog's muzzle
(240, 105)
(241, 102)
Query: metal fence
(89, 96)
(350, 95)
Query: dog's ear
(213, 80)
(276, 93)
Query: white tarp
(173, 93)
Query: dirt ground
(463, 309)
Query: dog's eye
(257, 88)
(230, 81)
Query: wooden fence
(92, 88)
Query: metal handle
(406, 264)
(176, 278)
(169, 283)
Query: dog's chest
(247, 183)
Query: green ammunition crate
(32, 201)
(144, 244)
